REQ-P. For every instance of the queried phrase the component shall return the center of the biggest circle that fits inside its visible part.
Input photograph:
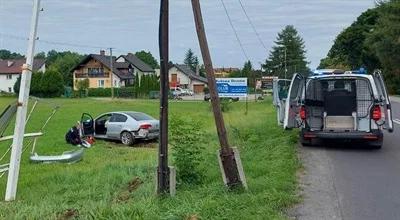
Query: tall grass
(98, 186)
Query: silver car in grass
(127, 126)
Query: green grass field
(97, 187)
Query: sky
(132, 25)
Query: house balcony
(92, 75)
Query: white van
(334, 104)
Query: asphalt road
(345, 182)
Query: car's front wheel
(127, 138)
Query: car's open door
(384, 96)
(293, 102)
(87, 124)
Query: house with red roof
(11, 69)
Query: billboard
(232, 87)
(266, 82)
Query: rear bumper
(146, 135)
(374, 135)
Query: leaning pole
(230, 163)
(18, 139)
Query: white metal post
(18, 139)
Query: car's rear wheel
(127, 138)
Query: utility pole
(226, 153)
(163, 169)
(23, 98)
(112, 73)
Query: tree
(49, 84)
(82, 85)
(6, 54)
(247, 69)
(63, 62)
(350, 50)
(191, 60)
(372, 41)
(289, 49)
(384, 42)
(148, 58)
(41, 55)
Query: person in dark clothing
(73, 136)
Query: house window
(9, 89)
(9, 76)
(95, 70)
(100, 83)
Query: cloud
(133, 25)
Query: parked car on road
(339, 105)
(126, 127)
(187, 92)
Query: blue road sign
(232, 87)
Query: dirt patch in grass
(133, 185)
(68, 214)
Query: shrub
(125, 92)
(225, 104)
(49, 84)
(186, 138)
(99, 92)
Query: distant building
(138, 66)
(96, 68)
(224, 72)
(11, 69)
(182, 76)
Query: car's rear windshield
(138, 116)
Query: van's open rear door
(293, 102)
(384, 96)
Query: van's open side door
(380, 83)
(293, 102)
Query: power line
(234, 30)
(60, 43)
(252, 25)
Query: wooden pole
(226, 152)
(163, 170)
(23, 98)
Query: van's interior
(338, 104)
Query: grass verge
(117, 182)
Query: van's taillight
(376, 113)
(145, 126)
(303, 114)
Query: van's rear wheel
(127, 138)
(305, 142)
(376, 145)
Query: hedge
(123, 92)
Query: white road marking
(397, 121)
